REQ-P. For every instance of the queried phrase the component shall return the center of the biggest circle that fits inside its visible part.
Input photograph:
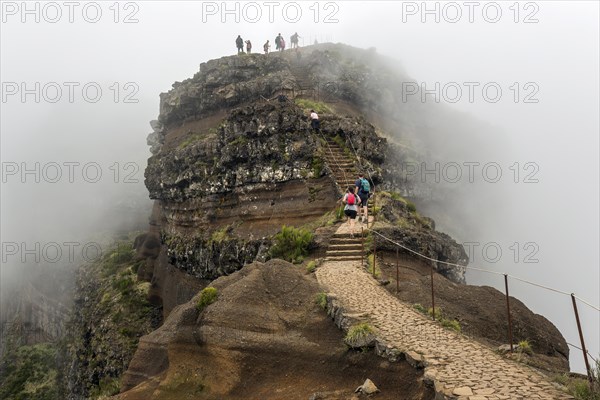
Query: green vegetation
(317, 166)
(192, 137)
(321, 300)
(308, 105)
(291, 244)
(311, 266)
(580, 387)
(208, 295)
(439, 316)
(122, 253)
(110, 322)
(29, 372)
(241, 140)
(525, 347)
(420, 308)
(220, 235)
(397, 197)
(370, 262)
(339, 215)
(107, 387)
(359, 332)
(182, 385)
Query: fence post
(374, 254)
(510, 338)
(362, 246)
(397, 272)
(374, 206)
(585, 357)
(432, 296)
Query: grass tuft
(208, 296)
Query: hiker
(351, 203)
(248, 46)
(281, 45)
(278, 40)
(314, 121)
(362, 190)
(266, 47)
(239, 42)
(294, 40)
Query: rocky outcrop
(401, 224)
(232, 163)
(264, 337)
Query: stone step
(344, 252)
(343, 247)
(347, 235)
(343, 240)
(343, 258)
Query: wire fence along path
(454, 365)
(505, 275)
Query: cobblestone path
(458, 368)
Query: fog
(542, 130)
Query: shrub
(525, 347)
(220, 235)
(420, 308)
(291, 244)
(452, 324)
(438, 313)
(359, 332)
(321, 300)
(411, 206)
(311, 266)
(208, 295)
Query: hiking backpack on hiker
(350, 199)
(365, 187)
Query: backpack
(365, 187)
(350, 200)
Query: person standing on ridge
(351, 203)
(248, 46)
(363, 187)
(266, 47)
(278, 40)
(239, 42)
(294, 40)
(314, 121)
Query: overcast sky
(542, 55)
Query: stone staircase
(303, 79)
(344, 247)
(342, 166)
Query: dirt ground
(264, 338)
